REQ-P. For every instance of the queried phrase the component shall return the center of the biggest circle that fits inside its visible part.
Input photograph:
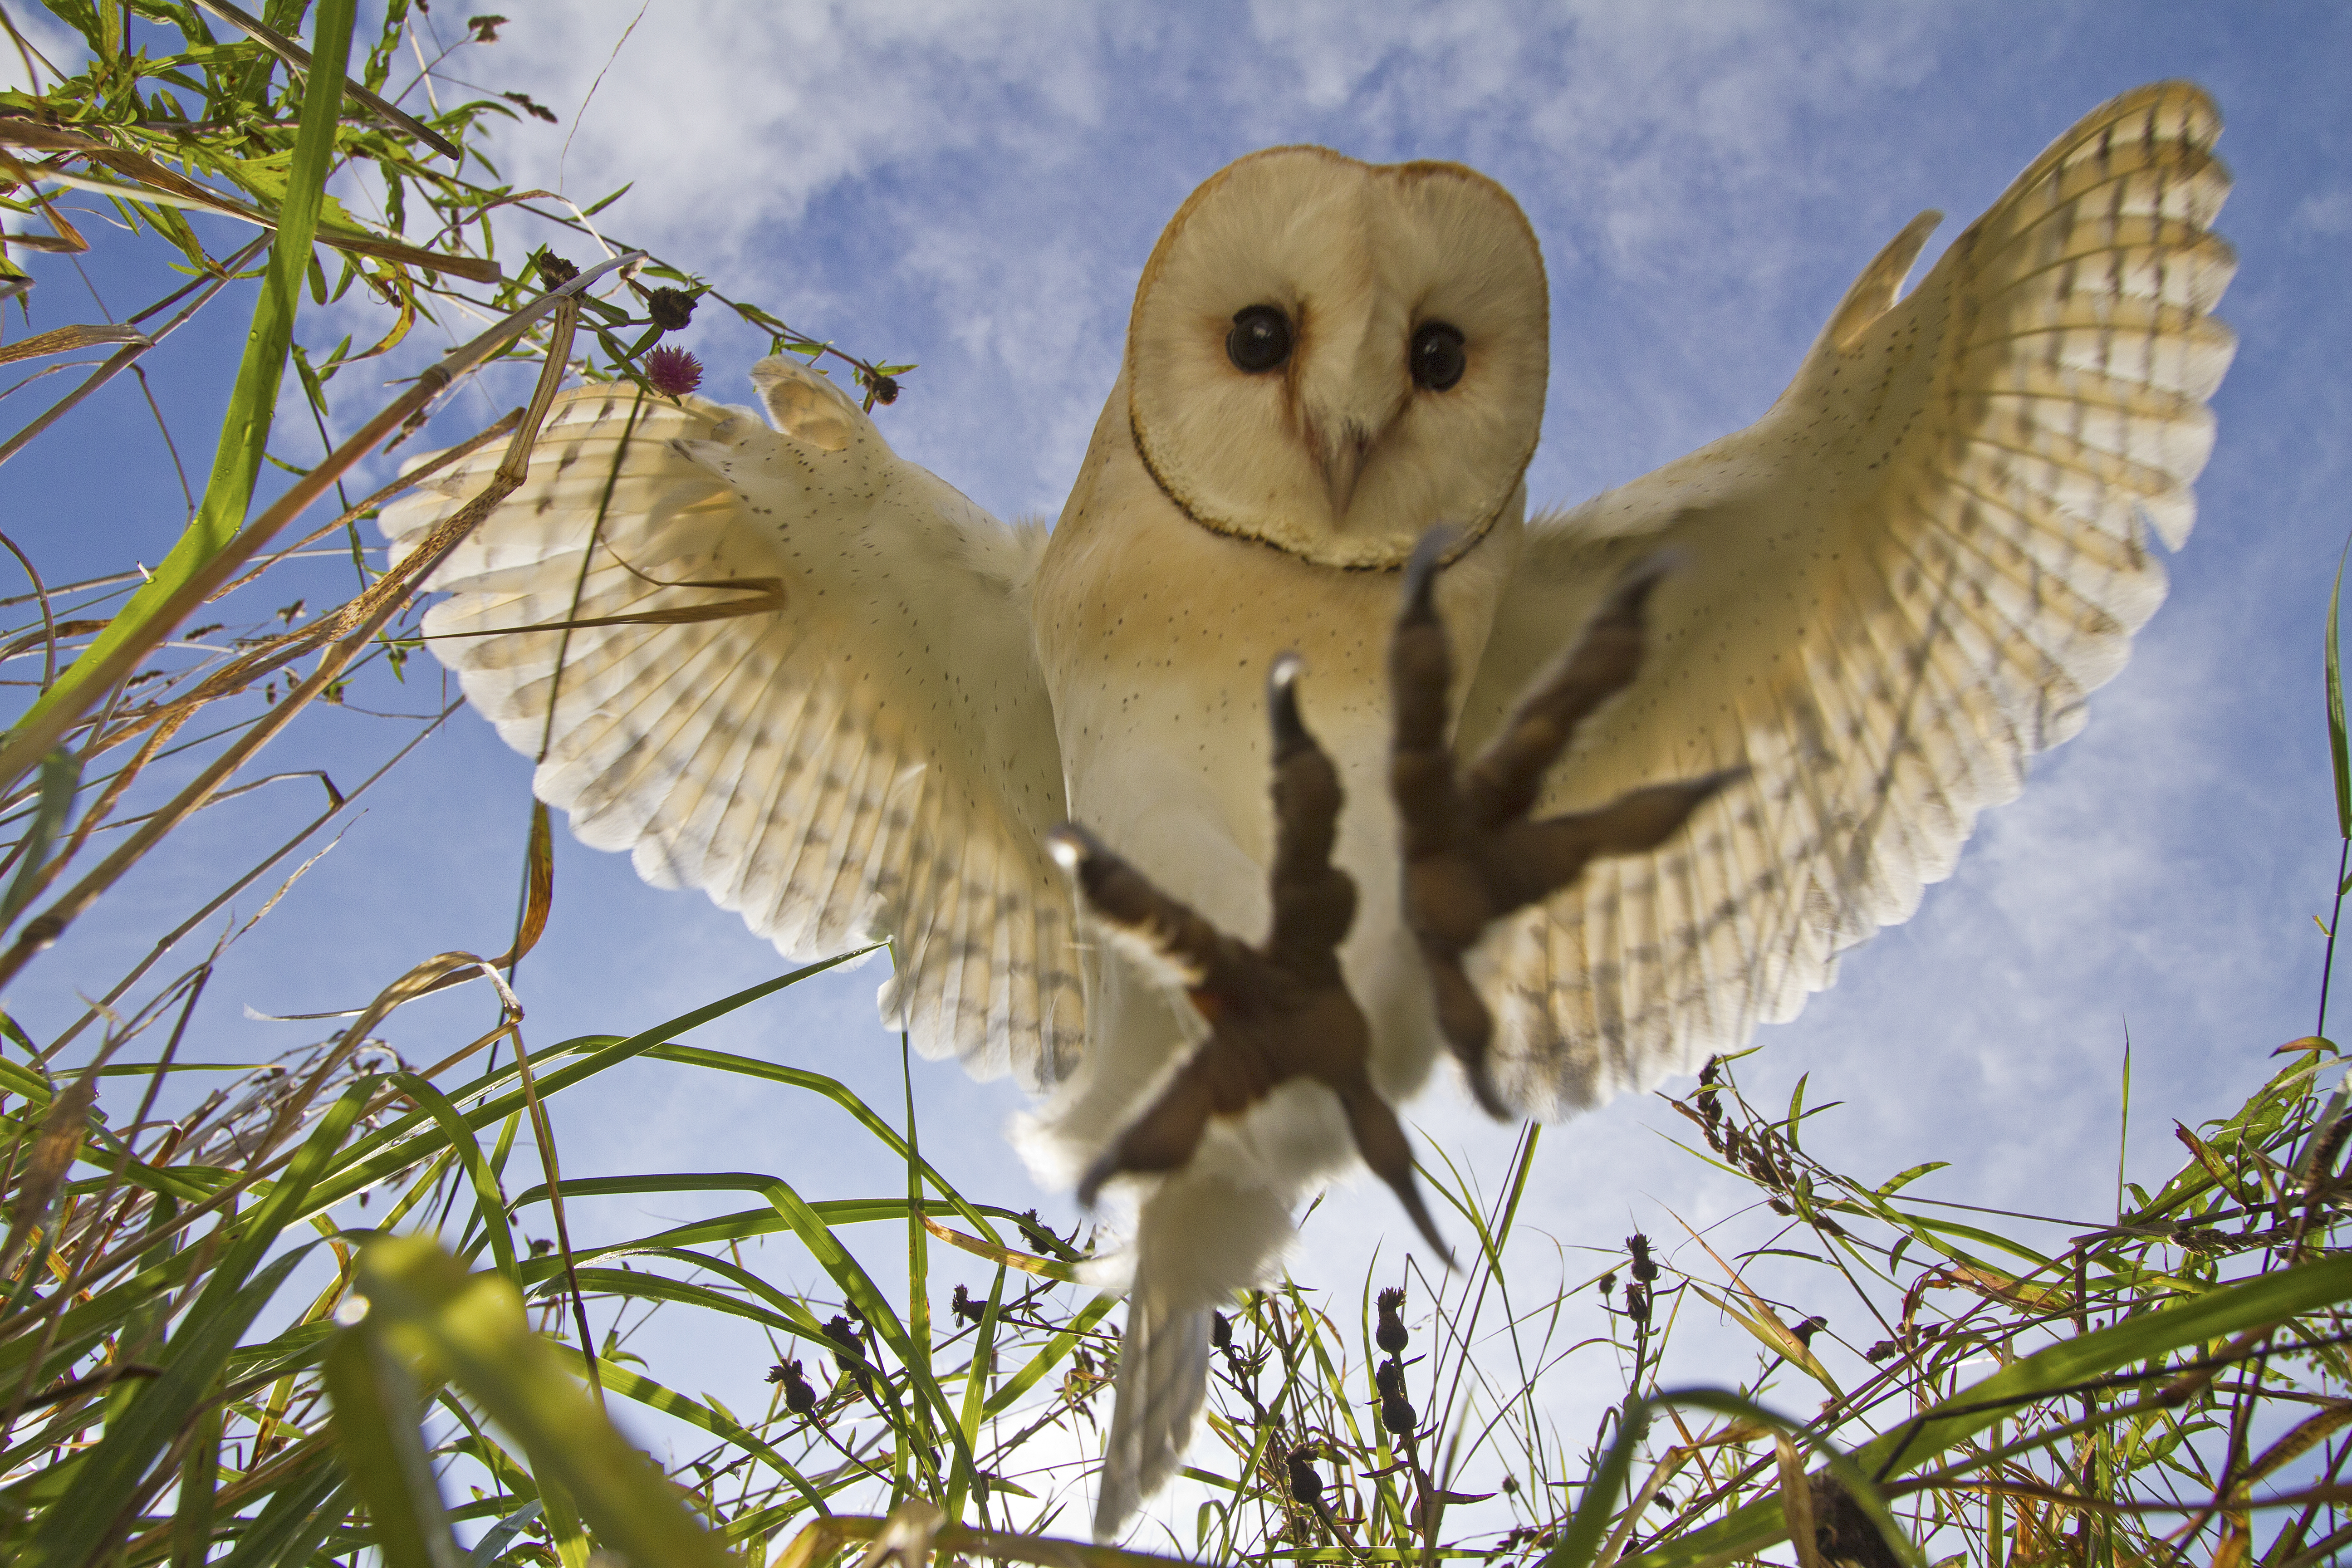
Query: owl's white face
(1329, 356)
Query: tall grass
(209, 1352)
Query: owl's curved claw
(1276, 1011)
(1470, 854)
(1167, 929)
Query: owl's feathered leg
(1471, 856)
(1276, 1012)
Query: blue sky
(976, 188)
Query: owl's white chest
(1156, 637)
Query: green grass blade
(109, 1480)
(2227, 1310)
(293, 1523)
(625, 1381)
(257, 1232)
(637, 1286)
(60, 774)
(975, 1384)
(1055, 1352)
(472, 1328)
(194, 1357)
(858, 1289)
(918, 1279)
(398, 1145)
(1580, 1543)
(489, 1204)
(245, 429)
(563, 1526)
(191, 1523)
(841, 1095)
(500, 1535)
(2339, 748)
(376, 1426)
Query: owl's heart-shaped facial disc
(1327, 355)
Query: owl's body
(1886, 595)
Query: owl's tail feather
(1163, 1377)
(1198, 1238)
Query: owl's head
(1328, 356)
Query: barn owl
(1878, 601)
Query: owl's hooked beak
(1343, 441)
(1349, 414)
(1339, 454)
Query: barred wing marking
(1893, 589)
(875, 758)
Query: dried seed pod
(848, 1355)
(799, 1397)
(554, 270)
(1644, 1269)
(1305, 1484)
(2321, 1163)
(1842, 1532)
(1034, 1231)
(670, 308)
(1390, 1335)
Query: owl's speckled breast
(1156, 636)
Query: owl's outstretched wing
(1890, 592)
(873, 756)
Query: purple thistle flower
(673, 372)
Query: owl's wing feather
(1890, 592)
(875, 758)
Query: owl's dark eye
(1437, 358)
(1260, 339)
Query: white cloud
(2325, 212)
(44, 50)
(733, 119)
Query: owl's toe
(1471, 853)
(1276, 1011)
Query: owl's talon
(1429, 553)
(1471, 855)
(1282, 707)
(1127, 899)
(1276, 1011)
